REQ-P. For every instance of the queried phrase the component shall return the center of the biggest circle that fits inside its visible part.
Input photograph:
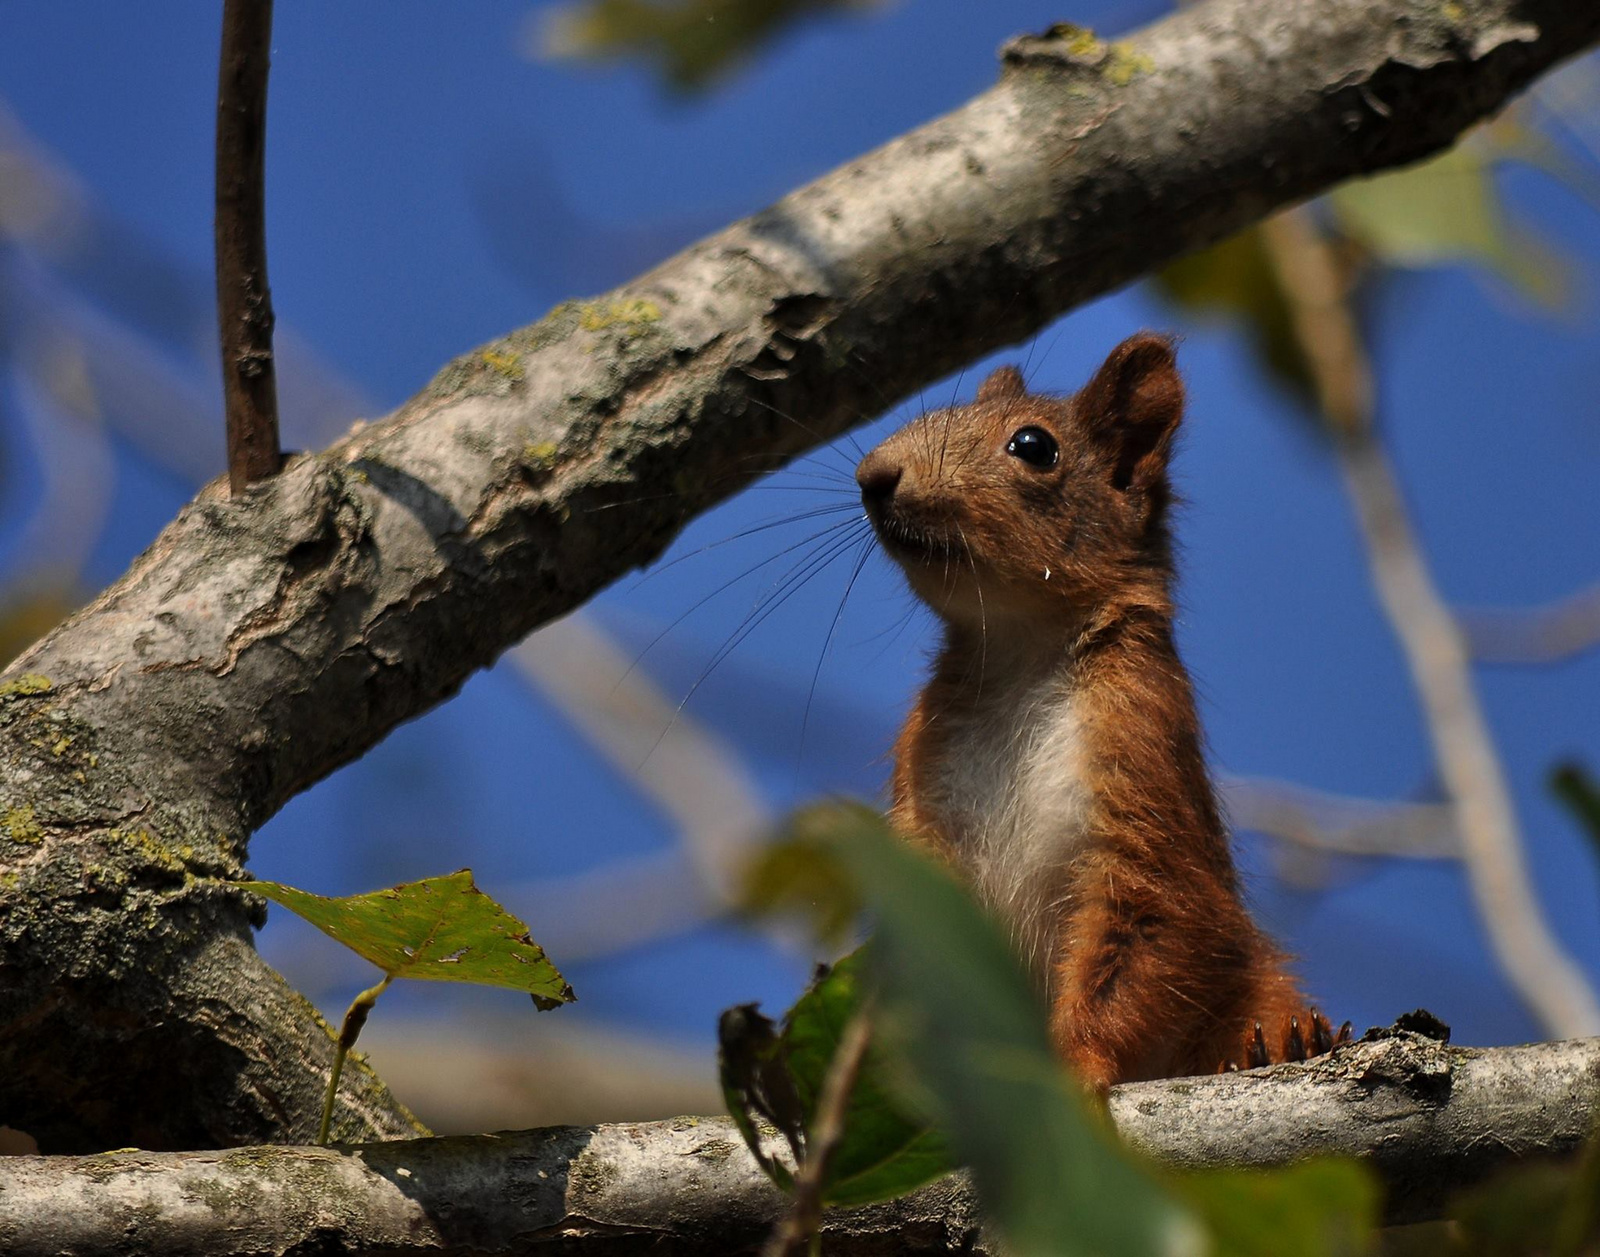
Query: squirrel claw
(1257, 1050)
(1321, 1033)
(1344, 1035)
(1295, 1047)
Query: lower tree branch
(264, 640)
(1430, 1119)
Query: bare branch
(1431, 1120)
(1336, 824)
(1548, 979)
(1534, 635)
(685, 769)
(244, 301)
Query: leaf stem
(801, 1227)
(354, 1019)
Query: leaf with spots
(439, 929)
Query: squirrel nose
(878, 477)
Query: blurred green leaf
(692, 42)
(1445, 210)
(953, 1002)
(29, 614)
(1515, 1212)
(885, 1152)
(1572, 784)
(1321, 1208)
(963, 1039)
(804, 880)
(440, 929)
(1236, 279)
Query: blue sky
(431, 187)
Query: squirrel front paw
(1293, 1043)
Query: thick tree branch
(263, 641)
(1430, 1119)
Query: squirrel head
(1030, 509)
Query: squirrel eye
(1034, 446)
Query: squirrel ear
(1003, 383)
(1133, 404)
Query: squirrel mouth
(909, 543)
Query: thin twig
(1317, 290)
(1336, 824)
(688, 772)
(244, 301)
(804, 1219)
(1550, 633)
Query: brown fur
(1055, 588)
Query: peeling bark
(264, 640)
(1431, 1120)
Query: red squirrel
(1054, 756)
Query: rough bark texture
(1431, 1119)
(266, 639)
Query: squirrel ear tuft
(1003, 383)
(1133, 404)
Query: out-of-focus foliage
(28, 614)
(965, 1044)
(885, 1151)
(1236, 279)
(953, 1008)
(1325, 1206)
(1444, 211)
(1536, 1210)
(691, 42)
(1576, 787)
(442, 929)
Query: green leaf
(1320, 1208)
(953, 1003)
(885, 1152)
(693, 42)
(32, 611)
(1236, 279)
(1445, 210)
(441, 929)
(802, 879)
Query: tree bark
(266, 639)
(1431, 1120)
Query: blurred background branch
(1317, 283)
(1551, 633)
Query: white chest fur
(1009, 788)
